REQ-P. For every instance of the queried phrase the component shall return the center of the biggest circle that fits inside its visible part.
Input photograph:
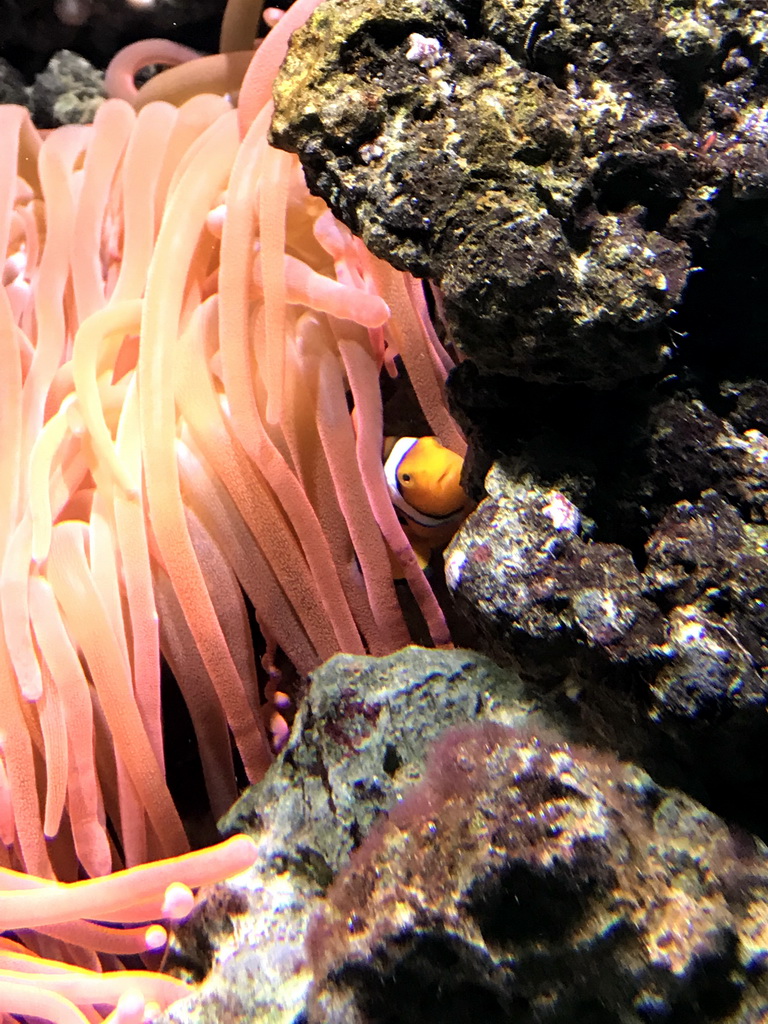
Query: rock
(358, 742)
(526, 880)
(12, 87)
(560, 172)
(539, 592)
(666, 664)
(519, 877)
(69, 91)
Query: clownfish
(424, 482)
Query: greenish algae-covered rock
(358, 743)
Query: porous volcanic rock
(559, 170)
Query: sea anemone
(41, 987)
(191, 418)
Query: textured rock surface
(523, 566)
(667, 664)
(358, 743)
(520, 878)
(68, 91)
(624, 456)
(527, 880)
(558, 169)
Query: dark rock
(560, 173)
(12, 87)
(360, 732)
(666, 664)
(522, 877)
(69, 91)
(534, 587)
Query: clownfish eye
(405, 477)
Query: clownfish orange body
(424, 481)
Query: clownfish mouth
(438, 517)
(443, 516)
